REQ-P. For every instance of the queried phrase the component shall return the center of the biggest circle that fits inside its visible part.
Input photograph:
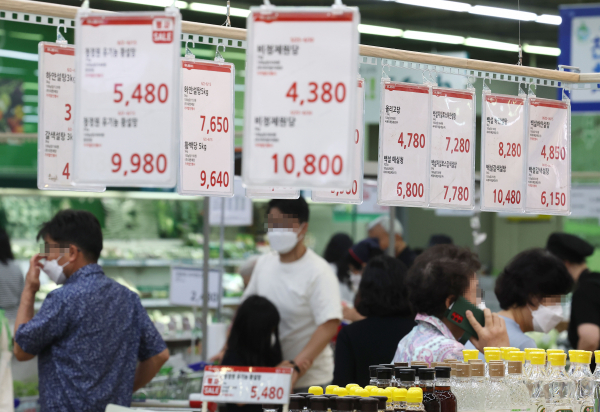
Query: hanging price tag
(207, 128)
(238, 209)
(549, 157)
(452, 159)
(272, 193)
(186, 287)
(300, 97)
(127, 96)
(56, 100)
(503, 154)
(353, 194)
(403, 171)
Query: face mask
(283, 240)
(355, 279)
(55, 271)
(545, 318)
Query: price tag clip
(60, 39)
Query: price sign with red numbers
(272, 193)
(127, 97)
(300, 99)
(503, 155)
(207, 128)
(354, 193)
(241, 384)
(56, 102)
(404, 144)
(548, 157)
(452, 158)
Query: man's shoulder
(317, 262)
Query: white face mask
(545, 318)
(55, 271)
(355, 280)
(283, 240)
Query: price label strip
(206, 163)
(353, 194)
(452, 159)
(300, 99)
(56, 97)
(548, 157)
(272, 193)
(503, 153)
(127, 98)
(405, 135)
(240, 384)
(186, 287)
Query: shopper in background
(90, 333)
(584, 327)
(439, 276)
(11, 279)
(379, 228)
(382, 299)
(335, 254)
(304, 290)
(253, 341)
(435, 240)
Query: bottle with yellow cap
(316, 390)
(340, 392)
(559, 387)
(469, 354)
(389, 392)
(515, 380)
(536, 378)
(493, 354)
(597, 381)
(581, 373)
(329, 390)
(527, 365)
(399, 400)
(497, 395)
(462, 388)
(414, 400)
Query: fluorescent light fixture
(438, 4)
(11, 54)
(435, 37)
(548, 51)
(211, 8)
(503, 13)
(549, 19)
(157, 3)
(491, 44)
(379, 30)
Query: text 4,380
(267, 393)
(321, 165)
(147, 163)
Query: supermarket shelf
(166, 262)
(165, 303)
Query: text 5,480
(321, 165)
(147, 163)
(267, 393)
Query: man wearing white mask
(303, 287)
(94, 340)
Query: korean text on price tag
(127, 96)
(503, 154)
(352, 194)
(452, 159)
(403, 172)
(272, 193)
(186, 287)
(300, 97)
(239, 384)
(207, 128)
(548, 157)
(56, 100)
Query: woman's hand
(492, 334)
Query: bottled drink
(382, 401)
(373, 374)
(527, 365)
(389, 403)
(491, 355)
(318, 403)
(297, 403)
(390, 366)
(462, 388)
(431, 402)
(405, 377)
(384, 377)
(400, 399)
(316, 390)
(443, 391)
(330, 388)
(414, 400)
(344, 404)
(497, 395)
(340, 392)
(477, 386)
(597, 382)
(368, 405)
(416, 368)
(469, 354)
(581, 373)
(331, 402)
(559, 387)
(536, 379)
(520, 400)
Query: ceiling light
(503, 13)
(157, 3)
(12, 54)
(435, 37)
(548, 51)
(438, 4)
(549, 19)
(379, 30)
(211, 8)
(491, 44)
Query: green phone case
(457, 315)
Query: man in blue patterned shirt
(90, 333)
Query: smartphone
(456, 314)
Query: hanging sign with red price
(548, 157)
(56, 102)
(127, 98)
(353, 194)
(404, 144)
(452, 158)
(503, 155)
(240, 384)
(300, 99)
(207, 128)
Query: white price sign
(56, 100)
(207, 128)
(238, 209)
(369, 206)
(353, 194)
(127, 98)
(300, 97)
(549, 157)
(240, 384)
(503, 155)
(186, 287)
(452, 159)
(272, 193)
(403, 171)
